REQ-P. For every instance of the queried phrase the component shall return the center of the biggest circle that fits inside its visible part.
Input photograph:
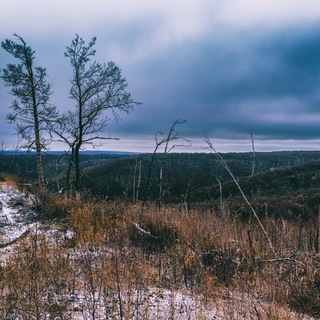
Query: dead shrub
(53, 205)
(35, 281)
(304, 294)
(160, 236)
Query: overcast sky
(224, 66)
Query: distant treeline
(285, 182)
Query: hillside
(287, 182)
(196, 252)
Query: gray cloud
(222, 73)
(230, 84)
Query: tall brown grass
(119, 251)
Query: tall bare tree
(31, 110)
(99, 92)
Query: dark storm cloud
(224, 85)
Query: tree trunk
(79, 142)
(68, 174)
(36, 125)
(77, 168)
(38, 149)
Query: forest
(193, 177)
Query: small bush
(160, 235)
(53, 205)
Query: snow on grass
(147, 303)
(14, 214)
(16, 218)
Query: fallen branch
(291, 259)
(141, 230)
(148, 233)
(4, 245)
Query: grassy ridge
(118, 250)
(196, 239)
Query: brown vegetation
(119, 252)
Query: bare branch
(224, 164)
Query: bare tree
(31, 110)
(250, 193)
(168, 142)
(172, 136)
(96, 88)
(136, 185)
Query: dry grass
(7, 181)
(120, 251)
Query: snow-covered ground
(17, 220)
(14, 216)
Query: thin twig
(224, 164)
